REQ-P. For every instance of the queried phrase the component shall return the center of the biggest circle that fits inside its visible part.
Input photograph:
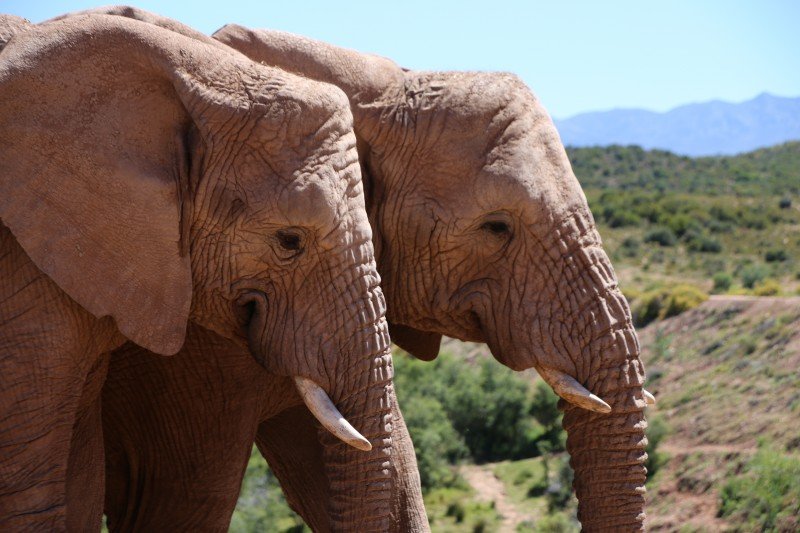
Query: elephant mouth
(252, 309)
(249, 307)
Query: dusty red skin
(149, 180)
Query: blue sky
(577, 56)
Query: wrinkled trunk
(360, 481)
(607, 450)
(348, 388)
(591, 359)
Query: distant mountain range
(708, 128)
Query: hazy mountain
(709, 128)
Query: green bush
(681, 223)
(776, 256)
(553, 523)
(765, 495)
(261, 505)
(722, 282)
(617, 218)
(559, 491)
(656, 431)
(700, 242)
(753, 274)
(662, 236)
(479, 411)
(436, 442)
(666, 302)
(456, 511)
(630, 247)
(768, 287)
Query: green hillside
(725, 224)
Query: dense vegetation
(725, 224)
(677, 228)
(765, 495)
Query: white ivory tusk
(570, 390)
(649, 398)
(321, 406)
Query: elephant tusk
(573, 392)
(649, 398)
(321, 406)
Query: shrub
(559, 491)
(480, 411)
(700, 242)
(620, 217)
(553, 523)
(436, 442)
(681, 223)
(776, 256)
(656, 431)
(682, 298)
(753, 274)
(768, 287)
(765, 495)
(722, 282)
(457, 511)
(261, 505)
(666, 302)
(630, 247)
(662, 236)
(785, 203)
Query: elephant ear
(95, 142)
(421, 344)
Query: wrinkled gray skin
(148, 181)
(481, 233)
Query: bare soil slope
(726, 378)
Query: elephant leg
(179, 431)
(48, 345)
(85, 469)
(290, 445)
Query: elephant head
(158, 179)
(482, 233)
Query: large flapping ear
(95, 154)
(366, 79)
(421, 344)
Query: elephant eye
(289, 241)
(497, 227)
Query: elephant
(150, 184)
(482, 233)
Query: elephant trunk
(359, 475)
(360, 481)
(605, 421)
(607, 451)
(596, 370)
